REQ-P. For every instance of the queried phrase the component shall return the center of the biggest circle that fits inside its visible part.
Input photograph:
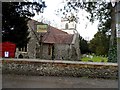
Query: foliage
(84, 47)
(100, 44)
(95, 59)
(112, 54)
(15, 16)
(98, 10)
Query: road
(20, 81)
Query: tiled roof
(55, 35)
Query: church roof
(54, 35)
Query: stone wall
(60, 68)
(45, 54)
(67, 51)
(62, 51)
(77, 47)
(31, 45)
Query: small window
(66, 26)
(49, 49)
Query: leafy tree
(15, 16)
(102, 11)
(100, 44)
(84, 47)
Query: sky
(84, 28)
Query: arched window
(66, 26)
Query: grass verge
(95, 59)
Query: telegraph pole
(118, 39)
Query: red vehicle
(7, 49)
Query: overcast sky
(49, 15)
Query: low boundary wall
(60, 68)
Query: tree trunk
(113, 27)
(112, 55)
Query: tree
(84, 47)
(102, 11)
(15, 16)
(100, 44)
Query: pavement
(20, 81)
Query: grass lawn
(95, 59)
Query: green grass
(95, 59)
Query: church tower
(68, 26)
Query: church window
(66, 26)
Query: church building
(53, 44)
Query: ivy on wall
(112, 54)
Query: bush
(112, 54)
